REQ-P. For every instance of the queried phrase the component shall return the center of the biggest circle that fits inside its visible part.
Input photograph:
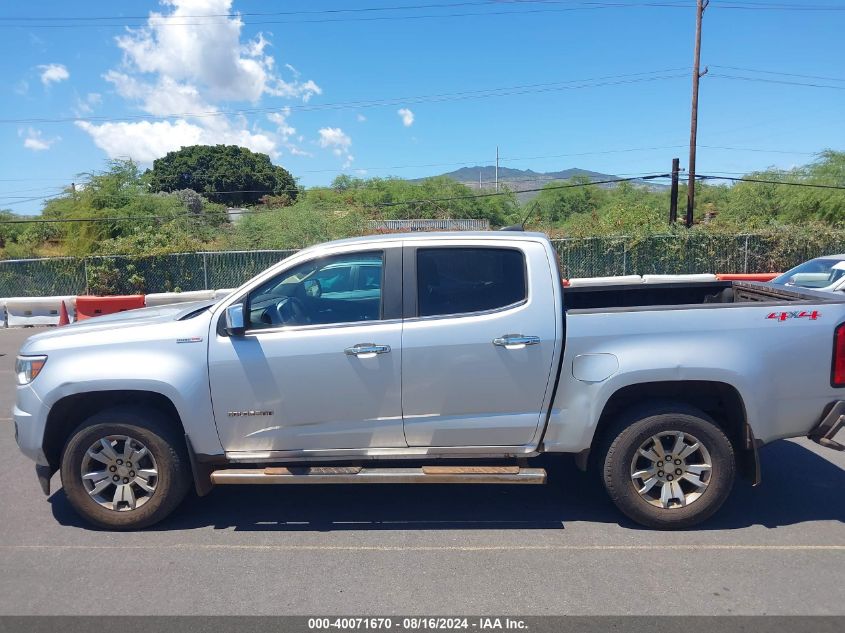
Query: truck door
(478, 342)
(319, 364)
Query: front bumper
(831, 423)
(30, 418)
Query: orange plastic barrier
(90, 306)
(746, 277)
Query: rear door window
(453, 281)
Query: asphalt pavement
(556, 549)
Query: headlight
(27, 368)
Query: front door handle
(516, 341)
(366, 350)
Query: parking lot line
(438, 548)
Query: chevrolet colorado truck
(432, 358)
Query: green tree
(227, 174)
(558, 202)
(128, 218)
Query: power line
(374, 204)
(773, 72)
(169, 20)
(637, 77)
(469, 163)
(772, 182)
(432, 200)
(254, 14)
(507, 193)
(776, 6)
(161, 21)
(119, 197)
(757, 149)
(778, 81)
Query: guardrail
(22, 311)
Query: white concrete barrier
(606, 281)
(219, 294)
(165, 298)
(22, 311)
(670, 279)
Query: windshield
(816, 273)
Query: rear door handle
(366, 350)
(516, 341)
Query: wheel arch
(70, 411)
(720, 400)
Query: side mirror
(235, 325)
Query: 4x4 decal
(803, 314)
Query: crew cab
(432, 358)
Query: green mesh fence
(111, 275)
(580, 257)
(42, 277)
(694, 253)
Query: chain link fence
(687, 254)
(580, 257)
(120, 274)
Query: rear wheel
(125, 468)
(668, 466)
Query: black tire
(632, 430)
(160, 435)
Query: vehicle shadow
(798, 486)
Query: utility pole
(673, 196)
(696, 76)
(497, 168)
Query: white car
(822, 273)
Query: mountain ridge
(525, 181)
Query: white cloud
(34, 139)
(338, 141)
(334, 137)
(407, 116)
(360, 118)
(280, 118)
(185, 73)
(53, 73)
(85, 105)
(208, 55)
(144, 141)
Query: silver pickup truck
(432, 358)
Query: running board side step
(360, 475)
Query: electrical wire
(770, 182)
(163, 21)
(776, 81)
(375, 204)
(637, 77)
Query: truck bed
(645, 296)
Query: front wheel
(668, 467)
(125, 468)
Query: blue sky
(330, 92)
